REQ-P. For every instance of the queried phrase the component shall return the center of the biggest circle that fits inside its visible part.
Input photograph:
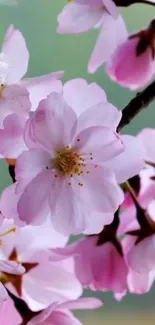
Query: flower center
(67, 161)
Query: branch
(136, 105)
(24, 311)
(127, 3)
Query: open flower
(43, 282)
(78, 171)
(81, 16)
(69, 165)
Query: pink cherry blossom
(95, 115)
(60, 313)
(132, 63)
(9, 314)
(43, 282)
(14, 58)
(55, 143)
(81, 16)
(99, 267)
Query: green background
(37, 19)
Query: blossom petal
(99, 191)
(35, 210)
(82, 303)
(68, 215)
(15, 54)
(80, 95)
(11, 267)
(11, 137)
(76, 18)
(130, 161)
(98, 144)
(28, 165)
(111, 35)
(14, 100)
(102, 114)
(3, 293)
(39, 88)
(144, 136)
(54, 114)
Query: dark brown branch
(136, 105)
(127, 3)
(22, 308)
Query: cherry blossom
(60, 313)
(95, 115)
(132, 64)
(43, 282)
(82, 16)
(87, 166)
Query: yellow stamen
(8, 232)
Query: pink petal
(112, 33)
(102, 114)
(80, 95)
(133, 73)
(43, 316)
(16, 55)
(3, 293)
(11, 267)
(9, 211)
(140, 283)
(35, 211)
(12, 317)
(111, 8)
(68, 215)
(100, 142)
(28, 165)
(76, 18)
(39, 88)
(53, 115)
(142, 256)
(41, 289)
(11, 137)
(99, 191)
(114, 275)
(14, 100)
(82, 303)
(130, 161)
(144, 136)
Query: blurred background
(49, 52)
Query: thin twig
(136, 105)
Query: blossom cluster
(73, 173)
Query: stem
(127, 3)
(136, 105)
(141, 214)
